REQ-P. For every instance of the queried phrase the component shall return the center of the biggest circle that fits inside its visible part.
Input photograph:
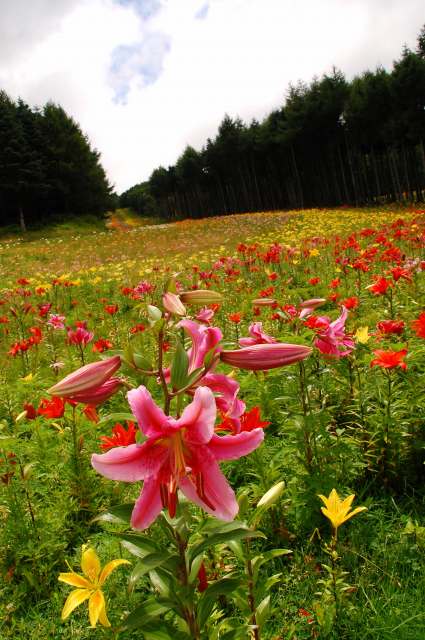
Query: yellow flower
(362, 335)
(89, 587)
(314, 252)
(338, 511)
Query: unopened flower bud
(261, 357)
(173, 304)
(87, 378)
(200, 296)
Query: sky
(146, 78)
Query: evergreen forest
(333, 142)
(47, 166)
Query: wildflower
(182, 453)
(89, 586)
(121, 437)
(261, 357)
(389, 359)
(418, 325)
(338, 511)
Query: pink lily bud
(263, 302)
(87, 378)
(313, 303)
(173, 304)
(260, 357)
(99, 394)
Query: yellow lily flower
(338, 511)
(89, 587)
(362, 335)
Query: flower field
(220, 422)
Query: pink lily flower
(79, 336)
(225, 390)
(204, 339)
(178, 454)
(308, 306)
(205, 315)
(258, 336)
(56, 321)
(332, 339)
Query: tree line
(333, 142)
(47, 166)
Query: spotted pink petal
(148, 505)
(132, 463)
(217, 491)
(151, 418)
(198, 417)
(234, 447)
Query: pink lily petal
(199, 417)
(131, 463)
(150, 417)
(216, 489)
(148, 505)
(203, 340)
(227, 388)
(233, 447)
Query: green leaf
(262, 612)
(138, 547)
(118, 513)
(117, 417)
(258, 561)
(148, 562)
(222, 538)
(208, 599)
(179, 367)
(141, 362)
(150, 608)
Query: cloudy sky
(144, 78)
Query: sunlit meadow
(260, 378)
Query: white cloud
(183, 65)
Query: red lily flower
(121, 437)
(388, 327)
(389, 359)
(54, 408)
(418, 325)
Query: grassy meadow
(348, 417)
